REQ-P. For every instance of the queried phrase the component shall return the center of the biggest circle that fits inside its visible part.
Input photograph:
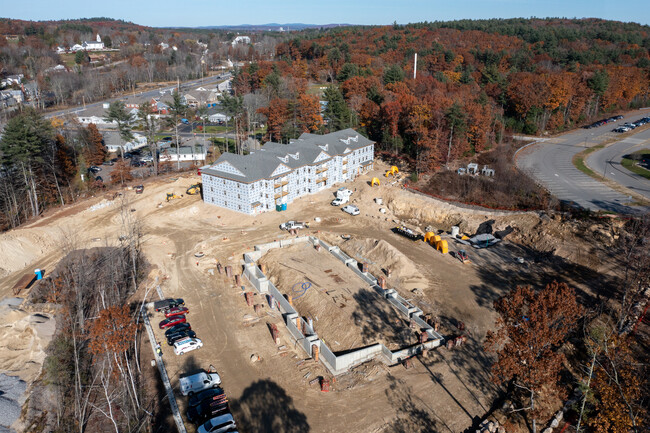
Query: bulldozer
(172, 196)
(194, 189)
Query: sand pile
(24, 337)
(380, 256)
(24, 246)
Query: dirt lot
(447, 391)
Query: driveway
(550, 163)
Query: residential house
(60, 50)
(77, 47)
(11, 79)
(241, 40)
(225, 86)
(114, 142)
(195, 153)
(218, 118)
(277, 174)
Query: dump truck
(194, 189)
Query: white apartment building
(273, 177)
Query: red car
(172, 321)
(176, 311)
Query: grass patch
(579, 160)
(214, 129)
(629, 162)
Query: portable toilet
(278, 207)
(284, 206)
(39, 274)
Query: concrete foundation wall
(342, 363)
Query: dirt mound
(24, 337)
(22, 247)
(382, 256)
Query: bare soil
(269, 385)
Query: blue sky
(191, 13)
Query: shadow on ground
(265, 407)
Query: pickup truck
(198, 382)
(167, 303)
(289, 225)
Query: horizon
(205, 13)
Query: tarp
(483, 240)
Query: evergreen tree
(337, 112)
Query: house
(241, 40)
(276, 175)
(11, 79)
(60, 50)
(218, 118)
(201, 97)
(96, 45)
(163, 46)
(195, 153)
(114, 142)
(225, 86)
(76, 47)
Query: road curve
(607, 162)
(550, 163)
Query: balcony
(322, 179)
(345, 171)
(281, 194)
(280, 184)
(319, 171)
(345, 161)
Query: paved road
(140, 96)
(549, 162)
(608, 162)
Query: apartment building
(274, 176)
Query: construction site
(346, 317)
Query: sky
(194, 13)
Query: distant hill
(275, 27)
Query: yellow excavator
(194, 189)
(172, 196)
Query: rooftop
(267, 162)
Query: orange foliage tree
(531, 327)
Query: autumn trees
(531, 327)
(36, 168)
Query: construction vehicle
(194, 189)
(172, 196)
(407, 232)
(293, 225)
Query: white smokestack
(415, 66)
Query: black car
(168, 303)
(200, 397)
(178, 328)
(93, 169)
(215, 406)
(180, 335)
(166, 139)
(99, 179)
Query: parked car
(200, 397)
(139, 189)
(209, 408)
(185, 345)
(198, 382)
(167, 303)
(168, 323)
(180, 335)
(176, 311)
(351, 209)
(220, 424)
(94, 169)
(337, 202)
(110, 162)
(147, 158)
(99, 179)
(177, 328)
(166, 139)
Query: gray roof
(262, 163)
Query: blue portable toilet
(284, 206)
(39, 274)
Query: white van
(198, 382)
(187, 345)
